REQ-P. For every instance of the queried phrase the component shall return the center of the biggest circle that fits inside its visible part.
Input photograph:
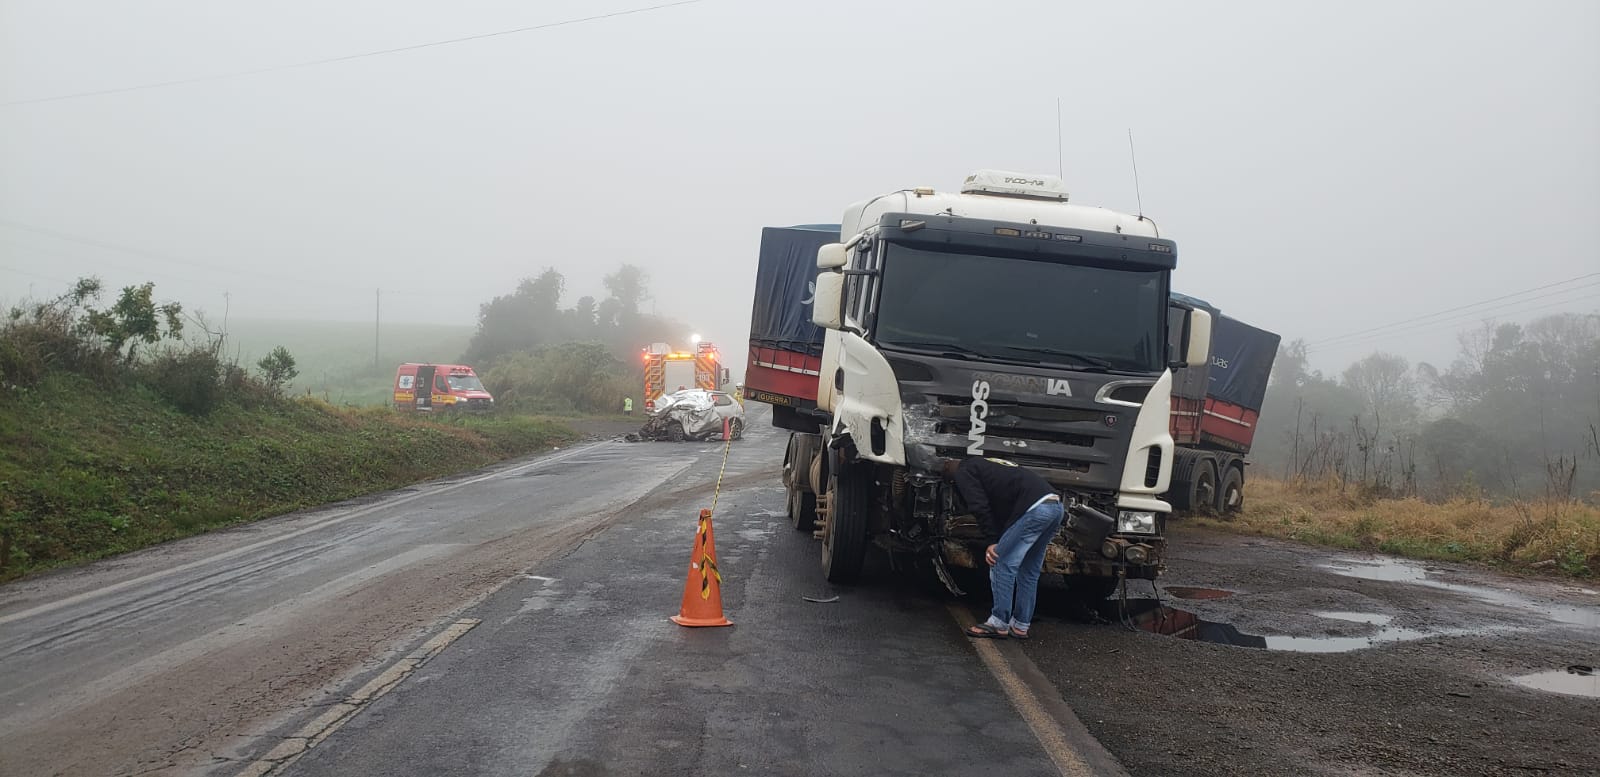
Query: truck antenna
(1135, 160)
(1060, 165)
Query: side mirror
(832, 256)
(827, 308)
(1197, 345)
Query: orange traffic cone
(702, 590)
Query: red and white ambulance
(429, 387)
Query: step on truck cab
(999, 321)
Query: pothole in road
(1156, 618)
(1575, 680)
(1190, 592)
(1397, 571)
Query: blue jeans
(1014, 577)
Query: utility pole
(377, 325)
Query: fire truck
(666, 370)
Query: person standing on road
(627, 405)
(1019, 513)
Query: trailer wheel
(1202, 494)
(1230, 499)
(844, 538)
(801, 503)
(675, 432)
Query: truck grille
(1074, 446)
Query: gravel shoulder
(1428, 692)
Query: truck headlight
(1136, 523)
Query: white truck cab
(1001, 321)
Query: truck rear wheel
(1230, 499)
(1202, 492)
(844, 538)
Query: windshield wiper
(1092, 361)
(942, 349)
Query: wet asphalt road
(578, 671)
(538, 591)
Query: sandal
(1017, 634)
(985, 631)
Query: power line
(1459, 317)
(1334, 339)
(232, 271)
(1455, 323)
(347, 57)
(226, 272)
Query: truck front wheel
(844, 539)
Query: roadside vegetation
(120, 429)
(1556, 537)
(1494, 458)
(537, 356)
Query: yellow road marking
(321, 727)
(1046, 729)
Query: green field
(335, 358)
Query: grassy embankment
(87, 472)
(1550, 537)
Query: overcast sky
(1325, 168)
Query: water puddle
(1372, 618)
(1394, 570)
(1150, 615)
(1576, 680)
(1188, 592)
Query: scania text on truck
(999, 321)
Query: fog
(1325, 170)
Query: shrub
(191, 379)
(277, 369)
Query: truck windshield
(465, 383)
(1023, 310)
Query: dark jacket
(998, 493)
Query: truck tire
(844, 540)
(1202, 492)
(1230, 498)
(802, 510)
(675, 432)
(802, 503)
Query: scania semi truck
(1000, 321)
